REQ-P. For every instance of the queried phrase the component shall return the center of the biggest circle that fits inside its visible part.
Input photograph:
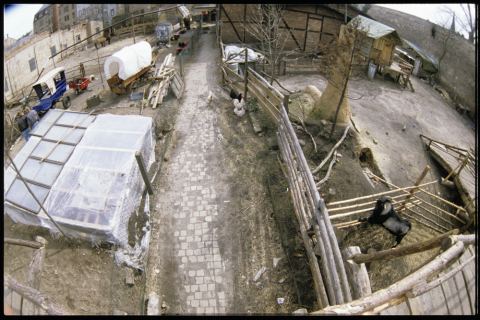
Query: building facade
(67, 15)
(46, 19)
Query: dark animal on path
(234, 95)
(384, 214)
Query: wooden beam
(291, 33)
(25, 243)
(143, 171)
(233, 26)
(306, 32)
(244, 22)
(402, 251)
(35, 296)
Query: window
(32, 63)
(53, 50)
(97, 30)
(78, 37)
(112, 12)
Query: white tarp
(235, 54)
(128, 61)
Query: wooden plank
(449, 289)
(28, 308)
(469, 277)
(399, 309)
(439, 305)
(462, 292)
(416, 305)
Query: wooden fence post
(412, 191)
(143, 171)
(357, 274)
(246, 74)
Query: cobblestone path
(192, 199)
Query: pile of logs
(165, 76)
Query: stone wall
(457, 68)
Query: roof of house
(373, 28)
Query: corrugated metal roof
(424, 55)
(374, 28)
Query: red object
(79, 84)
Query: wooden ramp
(460, 164)
(454, 296)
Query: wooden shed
(380, 40)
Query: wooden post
(246, 74)
(412, 191)
(402, 251)
(36, 265)
(35, 296)
(357, 274)
(143, 171)
(100, 71)
(33, 195)
(285, 102)
(25, 243)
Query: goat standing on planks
(385, 215)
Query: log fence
(328, 271)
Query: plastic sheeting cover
(128, 61)
(232, 50)
(97, 189)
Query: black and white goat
(384, 214)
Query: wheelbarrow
(79, 85)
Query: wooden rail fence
(329, 276)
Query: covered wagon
(126, 66)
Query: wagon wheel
(66, 102)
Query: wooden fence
(330, 280)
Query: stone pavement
(192, 198)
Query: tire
(66, 102)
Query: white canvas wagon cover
(128, 61)
(89, 180)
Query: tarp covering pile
(128, 61)
(90, 184)
(235, 54)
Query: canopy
(48, 79)
(128, 61)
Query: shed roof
(423, 54)
(374, 28)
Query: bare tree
(264, 24)
(466, 21)
(341, 59)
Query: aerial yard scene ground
(239, 159)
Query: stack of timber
(162, 80)
(460, 164)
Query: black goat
(385, 215)
(234, 95)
